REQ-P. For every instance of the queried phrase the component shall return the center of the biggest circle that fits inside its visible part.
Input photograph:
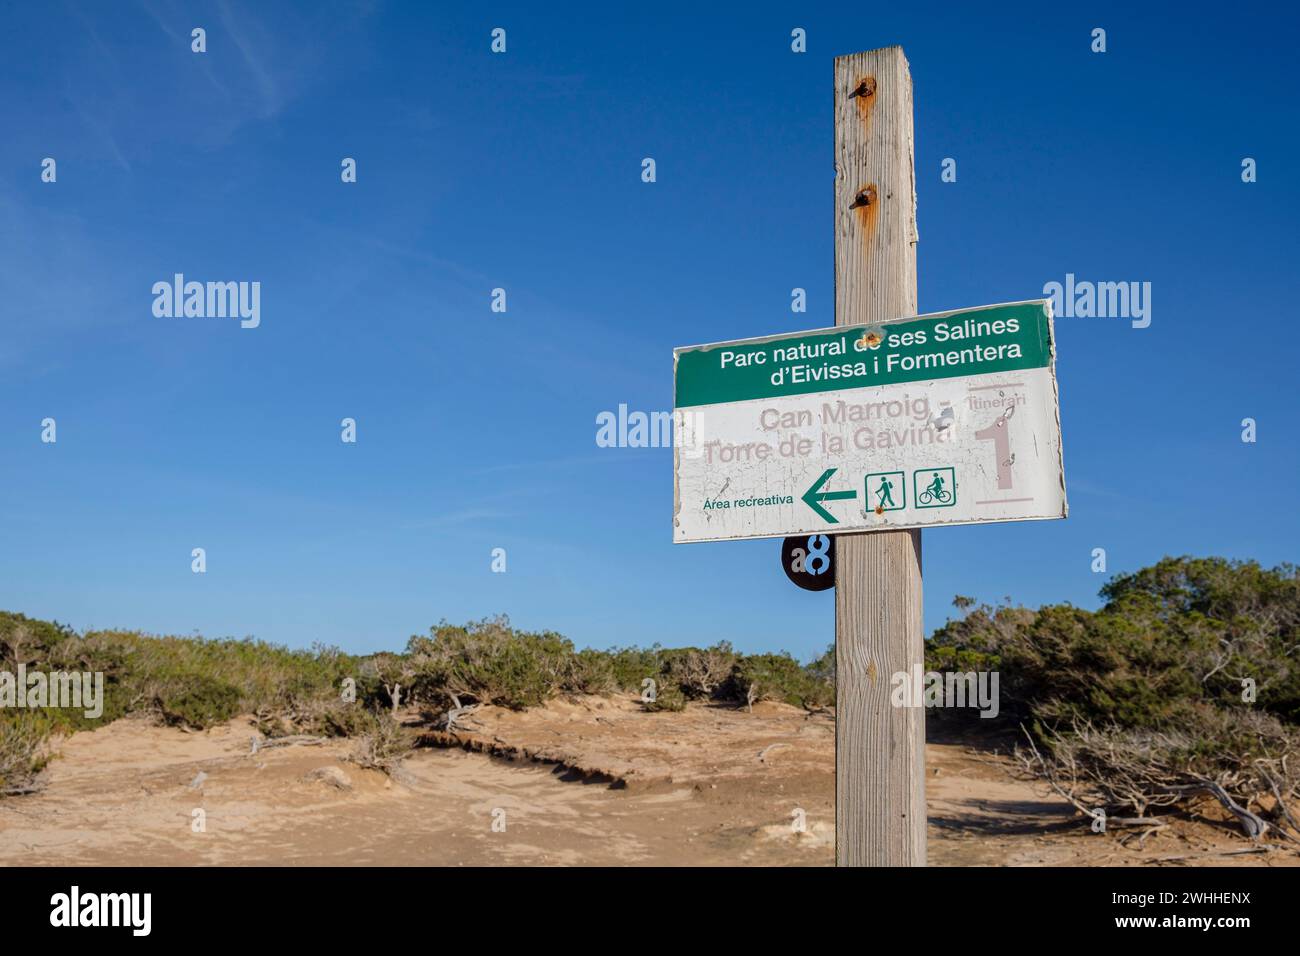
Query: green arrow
(813, 498)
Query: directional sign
(941, 419)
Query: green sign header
(995, 338)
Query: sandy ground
(591, 781)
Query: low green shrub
(701, 674)
(200, 702)
(381, 743)
(669, 697)
(24, 737)
(592, 673)
(489, 662)
(1184, 684)
(632, 665)
(196, 683)
(779, 677)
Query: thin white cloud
(183, 41)
(272, 101)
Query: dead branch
(1210, 853)
(20, 791)
(762, 754)
(454, 714)
(306, 740)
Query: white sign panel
(941, 419)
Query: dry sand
(588, 781)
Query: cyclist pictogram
(935, 487)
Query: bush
(701, 674)
(632, 665)
(1182, 633)
(196, 683)
(489, 662)
(592, 673)
(381, 742)
(23, 737)
(201, 703)
(23, 638)
(780, 677)
(822, 670)
(668, 697)
(1143, 703)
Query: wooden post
(879, 749)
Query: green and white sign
(942, 419)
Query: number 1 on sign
(997, 433)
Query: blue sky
(476, 430)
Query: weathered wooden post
(882, 432)
(879, 749)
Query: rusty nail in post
(865, 197)
(866, 88)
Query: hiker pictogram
(886, 491)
